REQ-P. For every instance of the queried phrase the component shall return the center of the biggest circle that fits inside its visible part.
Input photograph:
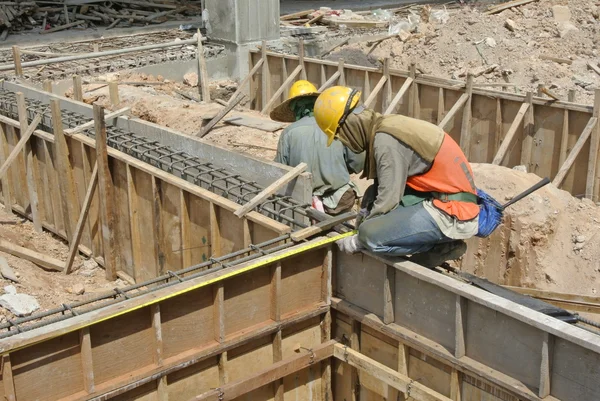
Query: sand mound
(547, 241)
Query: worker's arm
(355, 162)
(283, 149)
(393, 161)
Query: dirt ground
(450, 50)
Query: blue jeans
(402, 231)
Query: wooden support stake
(330, 81)
(90, 124)
(113, 89)
(246, 80)
(355, 345)
(203, 80)
(276, 292)
(566, 166)
(17, 61)
(413, 94)
(465, 130)
(455, 384)
(564, 139)
(375, 92)
(266, 77)
(47, 86)
(301, 58)
(460, 324)
(8, 379)
(106, 192)
(459, 103)
(136, 245)
(389, 294)
(546, 364)
(528, 132)
(87, 365)
(341, 65)
(499, 128)
(280, 90)
(39, 259)
(220, 116)
(387, 92)
(85, 208)
(326, 386)
(321, 226)
(219, 312)
(278, 357)
(366, 89)
(510, 135)
(398, 98)
(77, 88)
(158, 338)
(270, 190)
(592, 173)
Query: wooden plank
(7, 185)
(389, 294)
(64, 171)
(510, 135)
(6, 271)
(276, 292)
(398, 98)
(270, 190)
(85, 208)
(450, 115)
(389, 376)
(301, 58)
(158, 337)
(8, 379)
(460, 327)
(39, 259)
(278, 357)
(17, 61)
(556, 59)
(185, 228)
(546, 365)
(387, 93)
(335, 77)
(270, 374)
(77, 88)
(203, 80)
(440, 107)
(47, 85)
(465, 130)
(592, 177)
(136, 240)
(413, 100)
(332, 48)
(219, 312)
(280, 90)
(87, 365)
(156, 224)
(266, 76)
(113, 90)
(528, 133)
(90, 124)
(106, 192)
(564, 169)
(321, 226)
(456, 385)
(375, 91)
(506, 6)
(355, 327)
(262, 124)
(232, 103)
(248, 77)
(26, 134)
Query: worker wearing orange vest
(424, 200)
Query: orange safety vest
(450, 173)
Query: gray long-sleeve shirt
(303, 141)
(395, 163)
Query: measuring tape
(295, 250)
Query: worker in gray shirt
(333, 190)
(424, 202)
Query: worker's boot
(440, 253)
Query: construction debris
(18, 304)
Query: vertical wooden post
(95, 47)
(389, 293)
(219, 311)
(412, 94)
(186, 233)
(460, 323)
(7, 178)
(387, 90)
(158, 354)
(593, 169)
(301, 58)
(355, 345)
(266, 78)
(87, 365)
(540, 90)
(7, 379)
(366, 86)
(276, 317)
(17, 60)
(278, 357)
(157, 227)
(106, 195)
(455, 384)
(441, 106)
(113, 89)
(465, 130)
(528, 133)
(203, 80)
(223, 377)
(215, 231)
(326, 385)
(342, 78)
(64, 171)
(403, 360)
(47, 86)
(499, 125)
(77, 88)
(323, 75)
(31, 166)
(546, 364)
(136, 245)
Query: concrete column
(238, 24)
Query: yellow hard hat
(302, 87)
(332, 107)
(299, 89)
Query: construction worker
(424, 201)
(303, 141)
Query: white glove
(350, 245)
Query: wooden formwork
(263, 330)
(163, 222)
(557, 139)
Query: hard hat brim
(283, 113)
(330, 140)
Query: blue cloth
(402, 231)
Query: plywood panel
(424, 308)
(146, 392)
(360, 281)
(123, 227)
(170, 237)
(199, 221)
(244, 361)
(307, 335)
(301, 281)
(122, 344)
(545, 152)
(429, 373)
(193, 380)
(231, 229)
(472, 393)
(340, 373)
(428, 100)
(303, 385)
(259, 234)
(247, 300)
(507, 345)
(148, 268)
(483, 125)
(187, 321)
(48, 371)
(575, 372)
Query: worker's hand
(362, 215)
(350, 244)
(369, 197)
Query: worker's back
(303, 141)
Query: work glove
(362, 215)
(350, 245)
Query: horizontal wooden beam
(278, 371)
(400, 382)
